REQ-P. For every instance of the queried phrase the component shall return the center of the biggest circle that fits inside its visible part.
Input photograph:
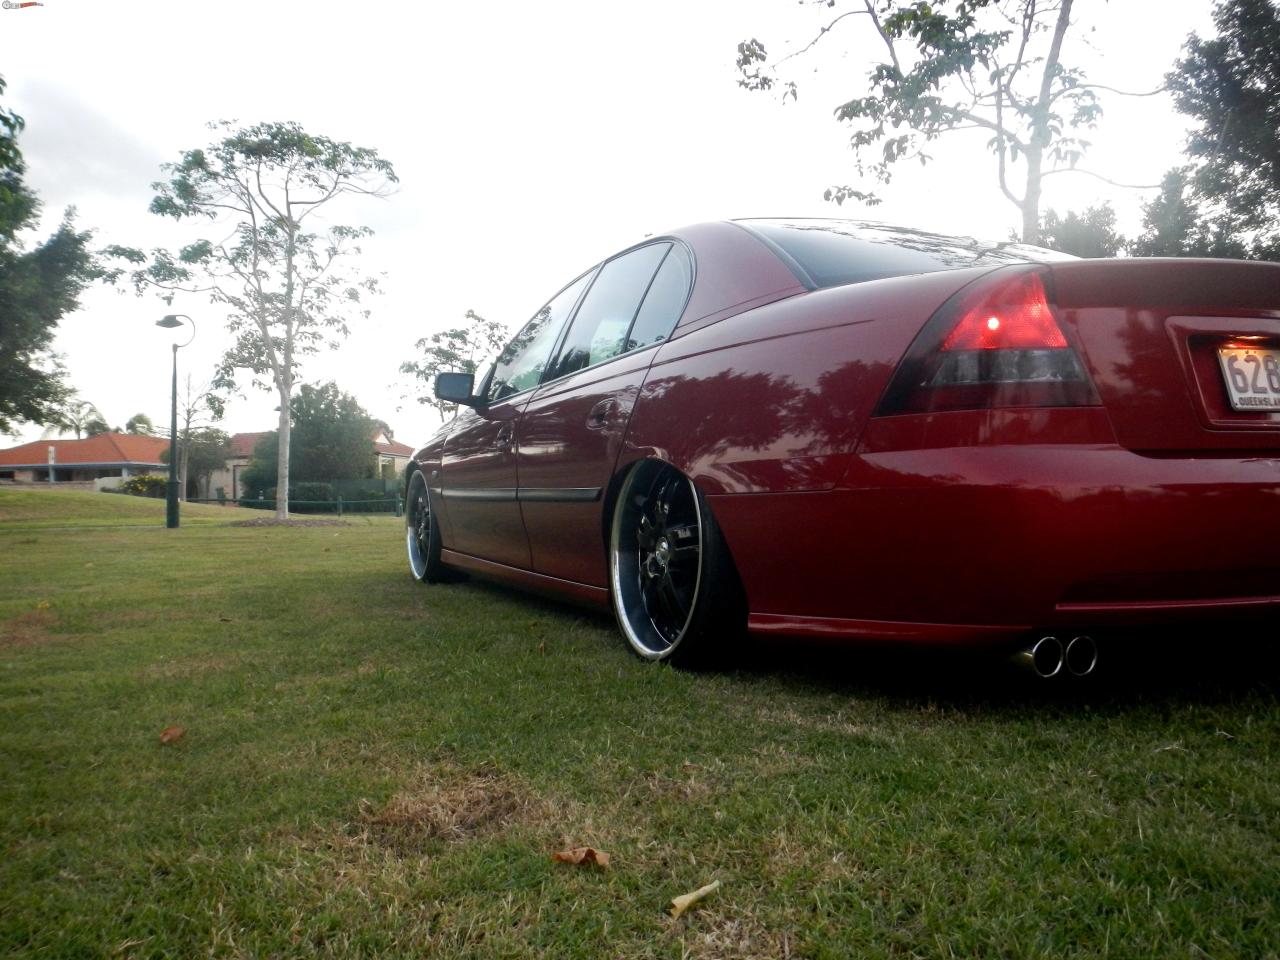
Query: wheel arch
(716, 609)
(629, 461)
(428, 463)
(658, 458)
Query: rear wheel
(675, 591)
(422, 535)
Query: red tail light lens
(1015, 316)
(995, 344)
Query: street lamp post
(171, 488)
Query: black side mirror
(456, 388)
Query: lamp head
(170, 320)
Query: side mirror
(456, 388)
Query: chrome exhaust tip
(1082, 656)
(1044, 658)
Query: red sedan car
(847, 430)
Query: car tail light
(996, 343)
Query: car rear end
(1077, 445)
(1061, 445)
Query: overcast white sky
(531, 140)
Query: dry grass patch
(364, 668)
(722, 932)
(809, 862)
(34, 626)
(694, 782)
(779, 760)
(181, 668)
(838, 723)
(449, 805)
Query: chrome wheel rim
(656, 558)
(418, 526)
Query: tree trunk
(1040, 135)
(282, 456)
(1031, 198)
(284, 373)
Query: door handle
(502, 439)
(601, 414)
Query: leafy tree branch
(956, 65)
(460, 348)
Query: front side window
(521, 363)
(599, 329)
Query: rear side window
(834, 252)
(522, 361)
(665, 300)
(599, 329)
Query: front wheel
(422, 534)
(673, 584)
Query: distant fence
(375, 495)
(338, 505)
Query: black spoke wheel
(421, 533)
(674, 589)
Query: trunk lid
(1152, 333)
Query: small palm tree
(140, 423)
(74, 417)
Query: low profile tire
(422, 534)
(674, 588)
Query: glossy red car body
(1153, 502)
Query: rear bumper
(978, 545)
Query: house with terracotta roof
(228, 478)
(393, 457)
(83, 461)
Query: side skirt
(595, 597)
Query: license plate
(1252, 376)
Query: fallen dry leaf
(680, 904)
(43, 605)
(542, 647)
(582, 856)
(172, 734)
(224, 619)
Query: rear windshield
(833, 252)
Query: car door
(572, 428)
(478, 463)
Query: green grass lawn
(376, 768)
(35, 509)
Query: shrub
(300, 495)
(147, 485)
(311, 491)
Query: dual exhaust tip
(1049, 657)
